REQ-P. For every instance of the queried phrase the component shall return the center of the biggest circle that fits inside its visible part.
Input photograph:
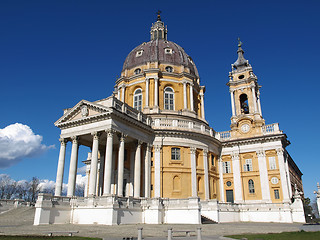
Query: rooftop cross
(158, 17)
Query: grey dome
(155, 50)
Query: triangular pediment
(82, 111)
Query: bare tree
(34, 189)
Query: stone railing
(125, 108)
(266, 130)
(182, 124)
(223, 136)
(271, 129)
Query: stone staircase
(206, 220)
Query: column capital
(149, 146)
(63, 141)
(139, 143)
(205, 151)
(96, 135)
(75, 139)
(231, 90)
(122, 137)
(260, 153)
(193, 150)
(279, 151)
(235, 156)
(157, 148)
(110, 132)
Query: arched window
(244, 104)
(168, 98)
(137, 99)
(137, 71)
(251, 186)
(169, 69)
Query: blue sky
(55, 53)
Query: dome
(160, 50)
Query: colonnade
(106, 166)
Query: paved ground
(20, 222)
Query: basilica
(154, 158)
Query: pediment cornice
(67, 119)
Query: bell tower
(245, 96)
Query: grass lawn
(45, 237)
(280, 236)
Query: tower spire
(241, 61)
(158, 30)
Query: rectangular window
(248, 166)
(276, 194)
(175, 153)
(212, 160)
(272, 163)
(226, 167)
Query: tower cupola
(158, 29)
(245, 95)
(241, 62)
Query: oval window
(241, 76)
(169, 69)
(137, 71)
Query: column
(121, 165)
(60, 170)
(191, 97)
(147, 173)
(220, 163)
(232, 102)
(185, 95)
(137, 171)
(101, 174)
(259, 104)
(283, 175)
(132, 156)
(123, 88)
(202, 105)
(147, 93)
(206, 174)
(318, 197)
(118, 95)
(108, 164)
(288, 177)
(254, 99)
(193, 172)
(73, 167)
(157, 159)
(94, 165)
(264, 181)
(237, 177)
(156, 92)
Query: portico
(109, 144)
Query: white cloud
(82, 170)
(46, 184)
(17, 141)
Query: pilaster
(265, 188)
(237, 177)
(283, 175)
(193, 172)
(157, 167)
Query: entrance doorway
(229, 194)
